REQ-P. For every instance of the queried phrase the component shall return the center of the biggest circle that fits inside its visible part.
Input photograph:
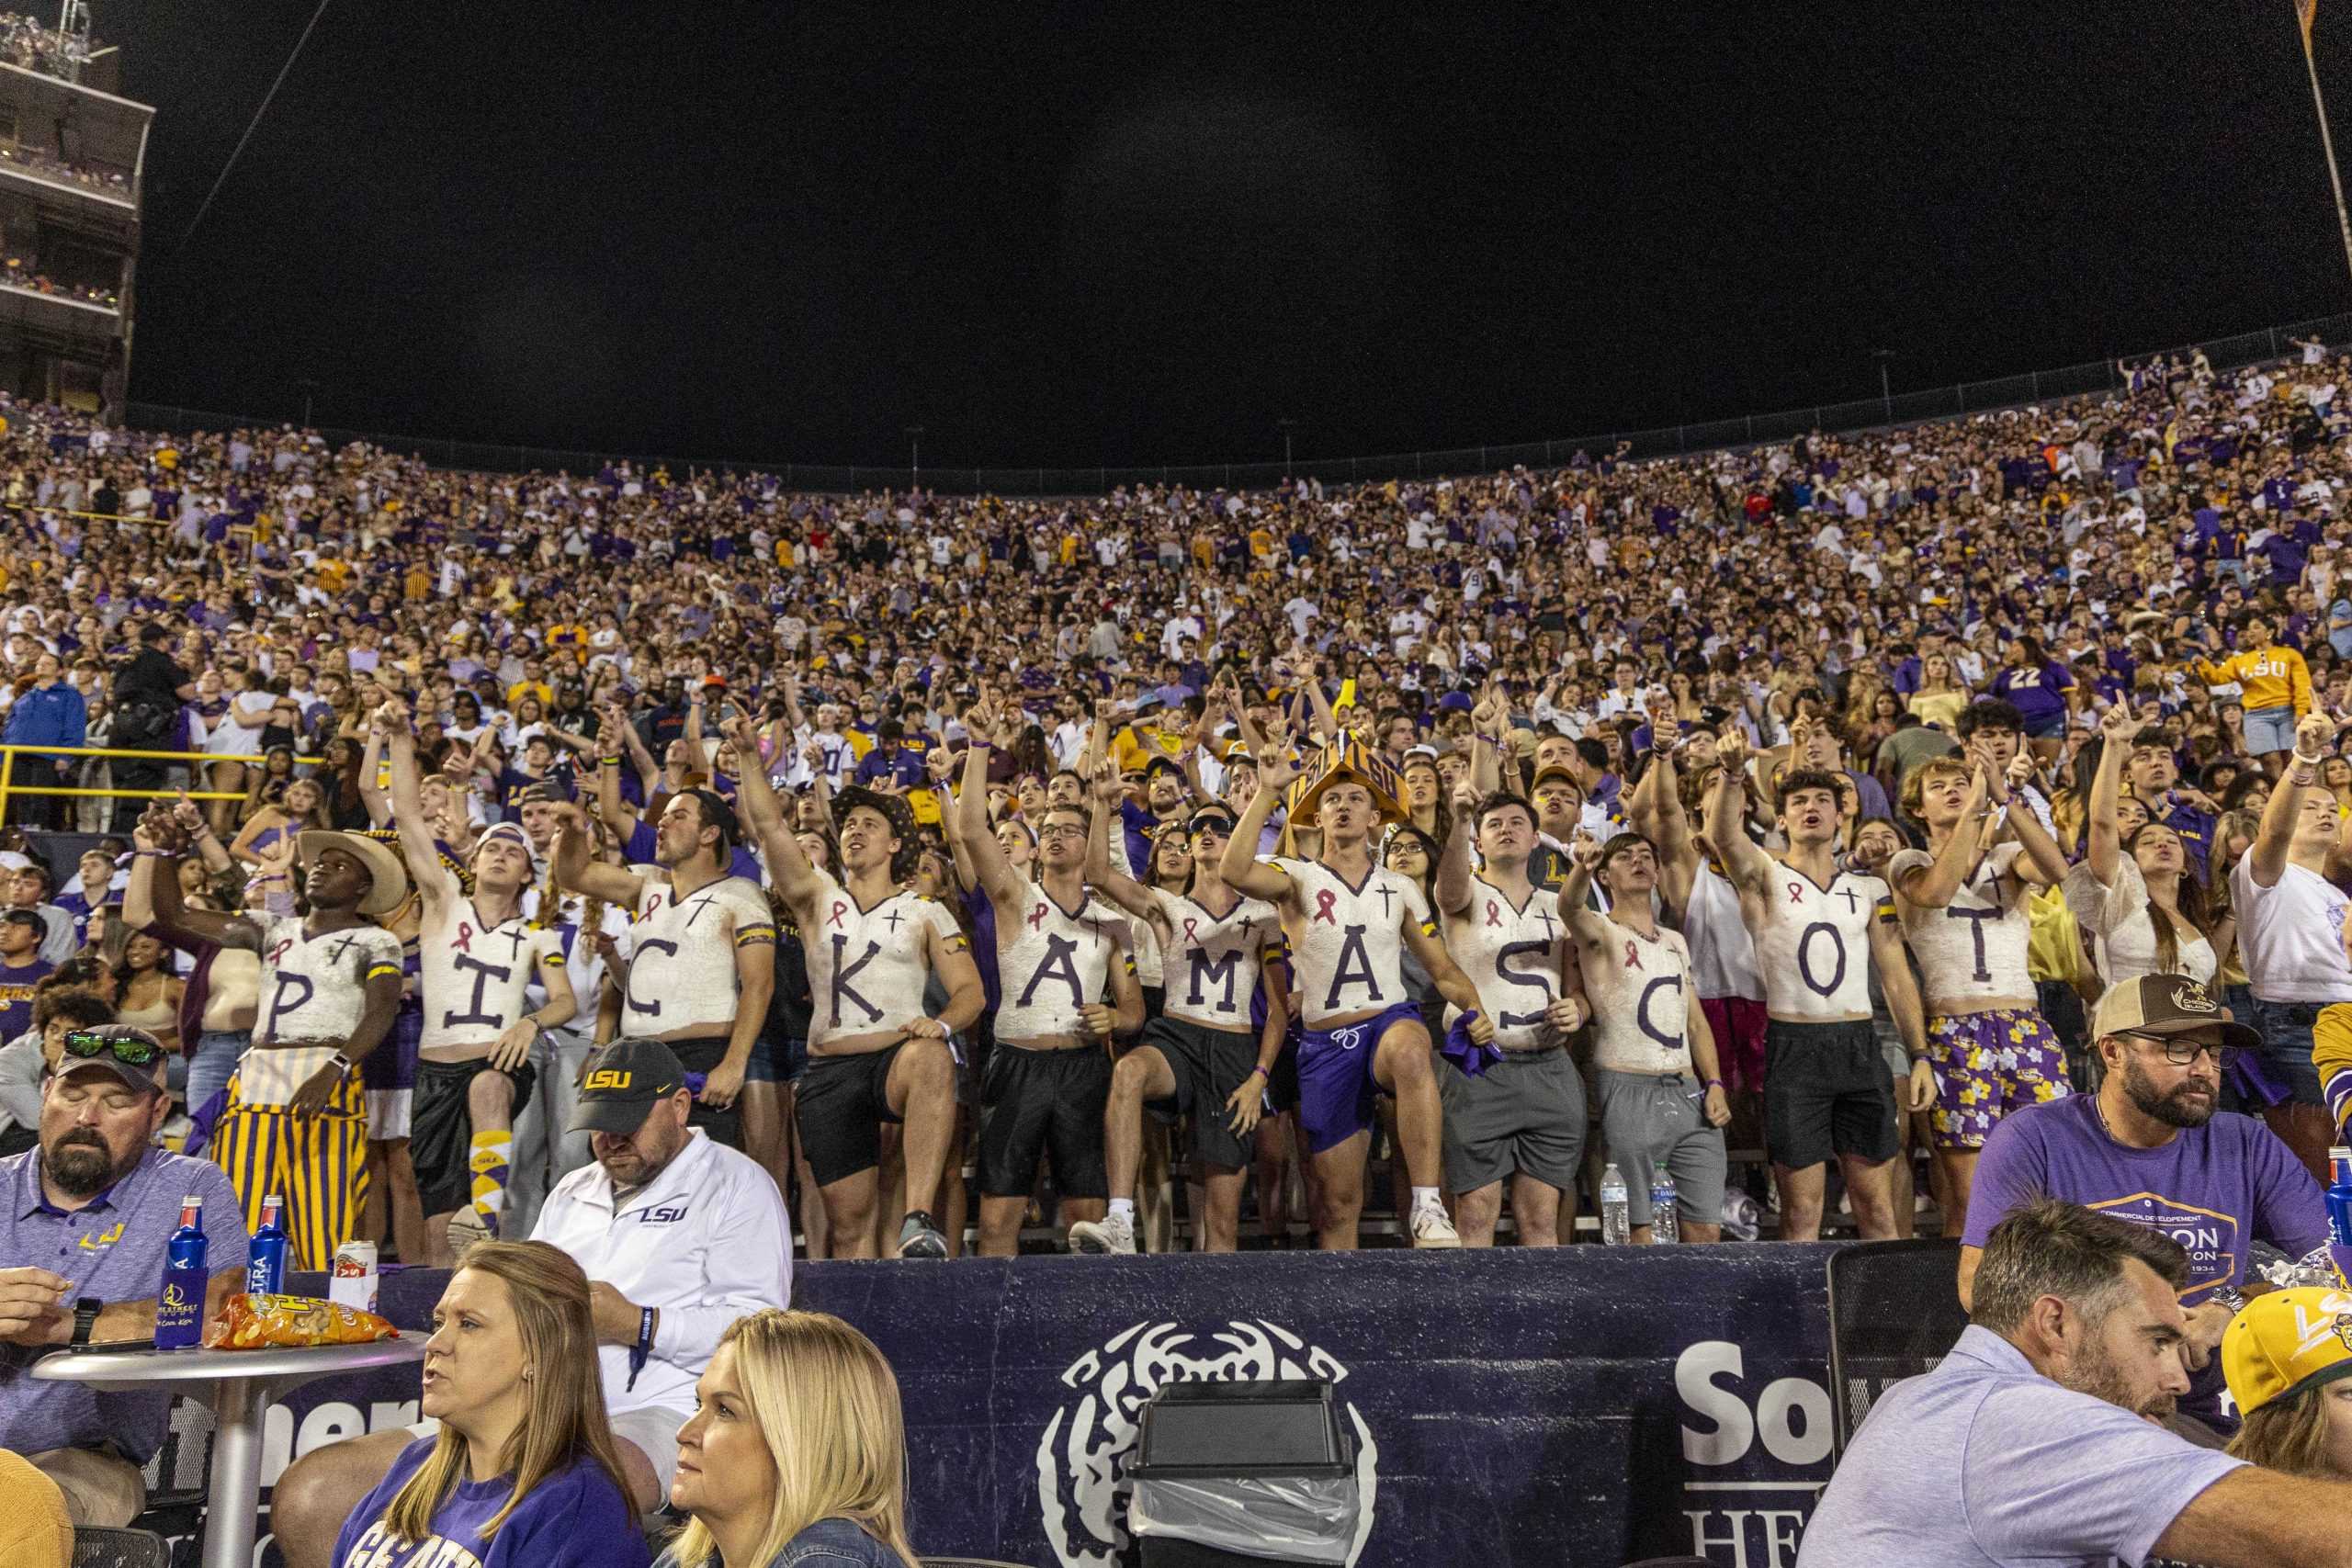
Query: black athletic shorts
(1827, 1092)
(1208, 1065)
(703, 1056)
(441, 1130)
(842, 1103)
(1048, 1103)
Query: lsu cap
(2285, 1342)
(623, 1083)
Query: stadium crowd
(1533, 679)
(1149, 866)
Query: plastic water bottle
(179, 1305)
(1666, 1221)
(266, 1257)
(2339, 1212)
(1616, 1210)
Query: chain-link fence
(1901, 408)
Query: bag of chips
(267, 1322)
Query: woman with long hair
(796, 1448)
(523, 1472)
(301, 808)
(1941, 695)
(147, 993)
(2150, 915)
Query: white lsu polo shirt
(707, 1241)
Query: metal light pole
(914, 440)
(1885, 395)
(1288, 426)
(308, 385)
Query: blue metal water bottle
(179, 1306)
(265, 1259)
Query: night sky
(1088, 233)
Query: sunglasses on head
(129, 1050)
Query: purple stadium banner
(1587, 1406)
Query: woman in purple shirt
(523, 1471)
(2036, 686)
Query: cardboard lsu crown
(1348, 758)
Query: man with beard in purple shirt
(2149, 1148)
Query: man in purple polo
(2149, 1147)
(86, 1216)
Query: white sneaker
(1432, 1228)
(1113, 1236)
(919, 1238)
(1740, 1218)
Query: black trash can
(1243, 1474)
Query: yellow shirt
(521, 689)
(2271, 677)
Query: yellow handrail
(8, 785)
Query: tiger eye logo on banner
(1085, 1446)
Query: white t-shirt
(1638, 988)
(868, 968)
(1051, 961)
(473, 974)
(1212, 965)
(681, 971)
(1347, 946)
(1512, 956)
(1974, 947)
(2292, 935)
(2124, 933)
(1723, 953)
(1814, 951)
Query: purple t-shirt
(2215, 1190)
(575, 1518)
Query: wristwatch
(85, 1317)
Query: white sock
(1427, 1198)
(1123, 1209)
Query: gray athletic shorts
(1648, 1120)
(1524, 1115)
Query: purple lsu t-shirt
(2215, 1190)
(575, 1518)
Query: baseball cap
(93, 1049)
(623, 1083)
(1163, 766)
(1545, 775)
(2285, 1342)
(2168, 1004)
(1455, 702)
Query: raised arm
(1101, 874)
(2267, 859)
(371, 767)
(2105, 844)
(576, 870)
(1241, 866)
(1726, 831)
(788, 866)
(1453, 884)
(1583, 921)
(994, 873)
(424, 868)
(166, 916)
(2042, 864)
(1932, 886)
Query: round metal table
(239, 1385)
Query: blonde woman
(523, 1472)
(795, 1453)
(1940, 695)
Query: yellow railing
(8, 785)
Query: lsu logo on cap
(605, 1078)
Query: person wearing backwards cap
(295, 1121)
(477, 957)
(701, 961)
(2150, 1147)
(679, 1236)
(94, 1202)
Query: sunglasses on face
(131, 1052)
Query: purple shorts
(1987, 1065)
(1336, 1088)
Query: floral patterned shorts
(1987, 1065)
